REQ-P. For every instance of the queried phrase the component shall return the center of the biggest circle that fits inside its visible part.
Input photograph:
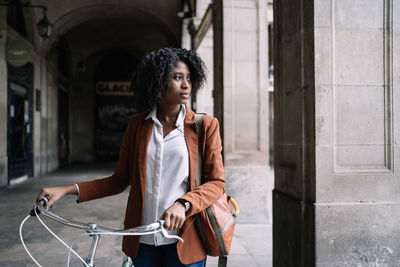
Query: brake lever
(165, 233)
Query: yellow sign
(18, 53)
(114, 88)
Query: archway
(92, 33)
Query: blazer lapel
(145, 134)
(192, 145)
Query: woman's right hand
(56, 193)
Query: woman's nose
(185, 83)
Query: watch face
(187, 206)
(186, 203)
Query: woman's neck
(168, 113)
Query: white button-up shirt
(167, 173)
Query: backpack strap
(222, 260)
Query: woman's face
(180, 86)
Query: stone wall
(357, 133)
(337, 93)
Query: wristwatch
(185, 203)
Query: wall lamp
(45, 28)
(190, 10)
(185, 14)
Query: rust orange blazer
(131, 171)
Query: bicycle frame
(94, 230)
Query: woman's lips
(185, 95)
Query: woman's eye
(177, 78)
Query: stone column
(37, 133)
(52, 115)
(204, 97)
(49, 116)
(43, 117)
(3, 98)
(245, 106)
(337, 93)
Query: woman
(158, 161)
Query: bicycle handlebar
(93, 228)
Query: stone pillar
(337, 95)
(43, 117)
(49, 116)
(52, 115)
(3, 99)
(37, 133)
(204, 98)
(245, 105)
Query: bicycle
(92, 229)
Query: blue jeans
(160, 256)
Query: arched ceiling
(135, 33)
(92, 25)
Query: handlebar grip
(42, 201)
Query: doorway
(114, 103)
(19, 123)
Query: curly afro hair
(154, 73)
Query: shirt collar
(179, 121)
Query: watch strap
(185, 203)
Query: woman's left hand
(174, 216)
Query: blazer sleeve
(213, 182)
(115, 183)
